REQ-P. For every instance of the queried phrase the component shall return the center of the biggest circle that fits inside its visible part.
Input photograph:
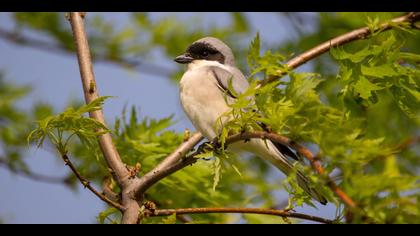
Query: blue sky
(55, 79)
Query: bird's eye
(205, 53)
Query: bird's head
(210, 49)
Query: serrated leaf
(364, 88)
(217, 166)
(302, 86)
(254, 50)
(379, 71)
(71, 122)
(94, 105)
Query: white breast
(201, 99)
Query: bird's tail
(285, 165)
(304, 183)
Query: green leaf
(302, 86)
(364, 88)
(379, 71)
(70, 122)
(411, 57)
(357, 57)
(94, 105)
(254, 50)
(217, 165)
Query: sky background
(55, 79)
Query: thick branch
(360, 33)
(282, 213)
(113, 160)
(90, 91)
(87, 185)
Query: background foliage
(358, 107)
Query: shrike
(203, 87)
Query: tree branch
(90, 92)
(118, 169)
(282, 213)
(169, 165)
(87, 185)
(360, 33)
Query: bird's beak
(184, 59)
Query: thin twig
(361, 33)
(282, 213)
(87, 185)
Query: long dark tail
(286, 166)
(314, 193)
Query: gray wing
(240, 84)
(224, 78)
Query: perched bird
(203, 87)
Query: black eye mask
(205, 51)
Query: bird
(210, 70)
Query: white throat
(197, 64)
